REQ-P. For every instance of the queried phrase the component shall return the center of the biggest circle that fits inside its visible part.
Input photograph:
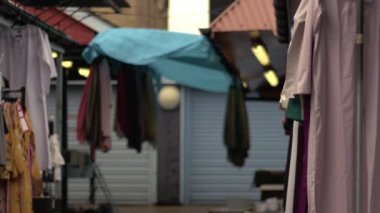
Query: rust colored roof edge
(246, 15)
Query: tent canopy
(188, 59)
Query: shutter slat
(125, 171)
(212, 179)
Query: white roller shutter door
(209, 177)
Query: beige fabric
(292, 170)
(311, 161)
(288, 90)
(56, 156)
(371, 177)
(106, 106)
(326, 70)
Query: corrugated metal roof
(246, 15)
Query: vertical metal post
(182, 164)
(92, 196)
(64, 141)
(359, 102)
(290, 17)
(61, 115)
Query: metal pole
(61, 104)
(359, 102)
(64, 142)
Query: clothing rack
(10, 14)
(6, 95)
(359, 109)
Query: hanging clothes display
(300, 191)
(81, 119)
(135, 116)
(55, 153)
(21, 171)
(298, 111)
(321, 63)
(371, 78)
(134, 95)
(94, 125)
(3, 149)
(188, 60)
(137, 121)
(236, 129)
(288, 127)
(93, 108)
(149, 108)
(27, 62)
(289, 206)
(294, 53)
(121, 122)
(106, 105)
(331, 145)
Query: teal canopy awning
(187, 59)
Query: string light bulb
(245, 84)
(54, 54)
(85, 72)
(271, 77)
(261, 54)
(67, 64)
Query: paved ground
(170, 209)
(167, 209)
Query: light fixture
(261, 54)
(67, 64)
(254, 34)
(85, 72)
(169, 97)
(245, 84)
(54, 54)
(272, 78)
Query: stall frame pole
(61, 115)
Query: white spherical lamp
(169, 97)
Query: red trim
(65, 23)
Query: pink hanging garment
(327, 72)
(106, 106)
(81, 119)
(371, 147)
